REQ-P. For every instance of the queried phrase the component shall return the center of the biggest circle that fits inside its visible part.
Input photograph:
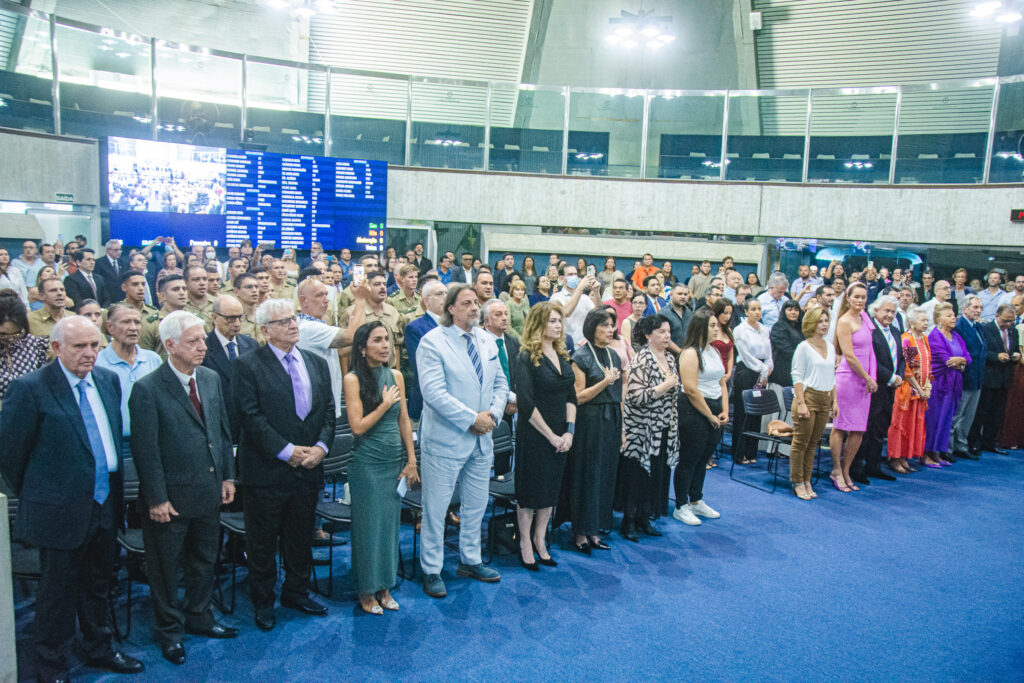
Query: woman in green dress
(375, 402)
(518, 308)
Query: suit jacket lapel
(458, 345)
(215, 352)
(113, 408)
(177, 392)
(277, 370)
(67, 400)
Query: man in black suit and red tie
(890, 365)
(181, 443)
(85, 283)
(285, 406)
(110, 267)
(61, 427)
(1001, 342)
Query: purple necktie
(299, 387)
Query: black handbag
(503, 534)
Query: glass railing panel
(199, 96)
(368, 117)
(684, 136)
(105, 84)
(605, 133)
(448, 125)
(526, 129)
(279, 116)
(766, 137)
(851, 135)
(943, 132)
(1008, 143)
(26, 73)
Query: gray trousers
(963, 419)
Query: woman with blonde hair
(518, 308)
(907, 429)
(546, 397)
(814, 398)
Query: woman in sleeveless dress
(855, 382)
(907, 429)
(375, 402)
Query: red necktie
(193, 396)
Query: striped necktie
(473, 356)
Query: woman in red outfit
(906, 432)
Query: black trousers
(697, 441)
(188, 544)
(988, 420)
(282, 518)
(743, 448)
(75, 583)
(869, 455)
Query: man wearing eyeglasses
(224, 344)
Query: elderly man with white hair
(285, 405)
(181, 443)
(772, 299)
(968, 326)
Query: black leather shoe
(629, 532)
(650, 530)
(118, 662)
(173, 652)
(999, 450)
(968, 454)
(879, 474)
(583, 547)
(215, 631)
(600, 545)
(306, 605)
(860, 478)
(531, 566)
(265, 619)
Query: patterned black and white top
(20, 358)
(647, 415)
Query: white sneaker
(704, 510)
(686, 516)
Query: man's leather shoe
(215, 631)
(306, 605)
(118, 662)
(999, 450)
(879, 474)
(173, 652)
(434, 586)
(650, 530)
(950, 457)
(480, 572)
(860, 478)
(265, 619)
(967, 454)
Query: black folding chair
(24, 559)
(502, 488)
(232, 524)
(760, 403)
(334, 511)
(130, 538)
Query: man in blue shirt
(993, 297)
(124, 358)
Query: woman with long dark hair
(595, 456)
(703, 409)
(530, 275)
(376, 407)
(11, 278)
(754, 365)
(20, 352)
(785, 336)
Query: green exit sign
(65, 197)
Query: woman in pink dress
(855, 382)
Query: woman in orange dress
(907, 430)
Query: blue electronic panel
(222, 196)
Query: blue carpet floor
(919, 579)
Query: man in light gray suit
(464, 396)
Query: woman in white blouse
(10, 277)
(753, 365)
(703, 409)
(814, 398)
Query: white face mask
(571, 281)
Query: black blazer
(217, 360)
(46, 458)
(180, 457)
(512, 349)
(883, 368)
(266, 410)
(77, 287)
(998, 374)
(459, 275)
(111, 279)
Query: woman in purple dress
(949, 358)
(855, 382)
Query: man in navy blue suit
(62, 458)
(434, 292)
(968, 326)
(224, 344)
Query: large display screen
(221, 196)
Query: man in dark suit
(494, 315)
(434, 292)
(1001, 356)
(969, 329)
(224, 344)
(890, 365)
(465, 273)
(84, 283)
(420, 261)
(181, 445)
(110, 267)
(62, 457)
(285, 406)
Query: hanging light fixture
(629, 30)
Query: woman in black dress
(785, 337)
(595, 456)
(546, 398)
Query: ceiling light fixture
(305, 9)
(1009, 12)
(630, 29)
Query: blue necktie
(101, 487)
(471, 349)
(232, 352)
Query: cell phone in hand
(591, 270)
(357, 275)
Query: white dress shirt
(754, 347)
(813, 371)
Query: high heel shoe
(583, 547)
(532, 566)
(549, 562)
(844, 488)
(599, 544)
